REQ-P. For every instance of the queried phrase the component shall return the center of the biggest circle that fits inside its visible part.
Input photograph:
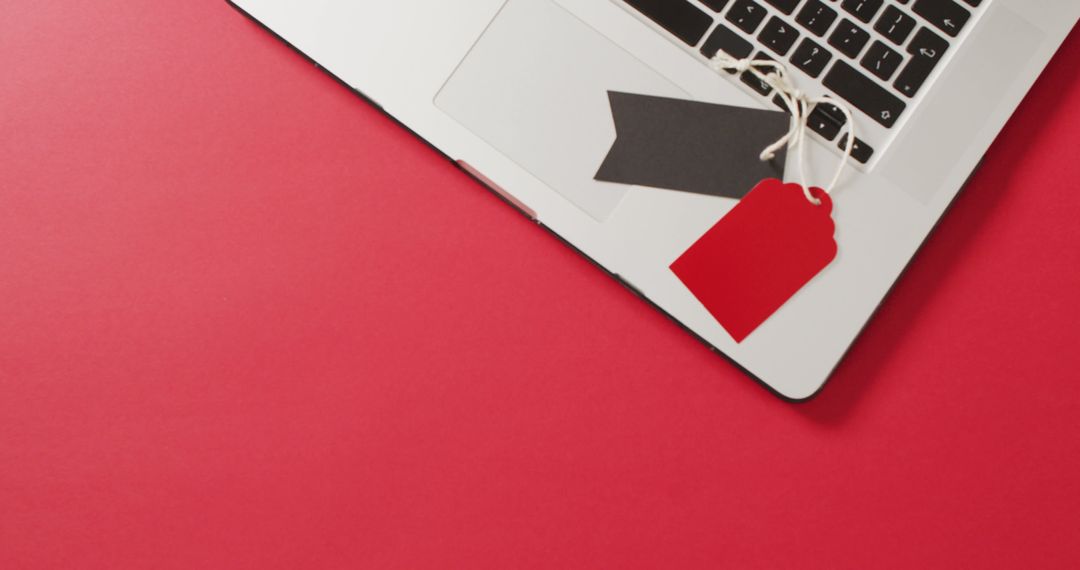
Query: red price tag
(770, 245)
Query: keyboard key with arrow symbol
(945, 15)
(927, 49)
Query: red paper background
(246, 321)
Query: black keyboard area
(684, 20)
(875, 54)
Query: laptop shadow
(860, 373)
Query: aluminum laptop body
(515, 92)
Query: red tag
(762, 252)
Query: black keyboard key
(929, 45)
(816, 17)
(864, 93)
(785, 6)
(750, 78)
(746, 15)
(728, 41)
(926, 49)
(716, 5)
(864, 10)
(860, 151)
(684, 20)
(945, 15)
(832, 112)
(823, 123)
(778, 36)
(849, 38)
(913, 76)
(811, 58)
(895, 25)
(779, 102)
(756, 84)
(881, 60)
(973, 3)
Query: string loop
(799, 105)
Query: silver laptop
(516, 91)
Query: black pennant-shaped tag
(691, 146)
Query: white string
(800, 105)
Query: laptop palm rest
(535, 86)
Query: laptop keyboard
(875, 54)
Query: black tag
(691, 146)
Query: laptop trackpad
(535, 86)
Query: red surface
(775, 239)
(243, 325)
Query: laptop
(517, 93)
